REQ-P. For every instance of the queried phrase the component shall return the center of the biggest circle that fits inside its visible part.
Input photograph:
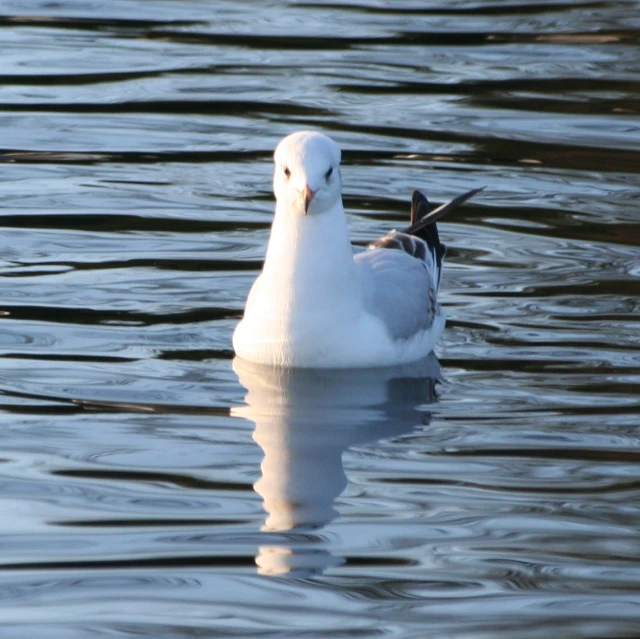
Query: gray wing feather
(402, 283)
(400, 290)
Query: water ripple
(155, 487)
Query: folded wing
(403, 269)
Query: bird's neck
(311, 252)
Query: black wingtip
(419, 206)
(420, 203)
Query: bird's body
(319, 304)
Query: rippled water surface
(153, 487)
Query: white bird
(318, 303)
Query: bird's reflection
(304, 420)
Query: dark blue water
(153, 487)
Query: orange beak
(307, 194)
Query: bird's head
(307, 178)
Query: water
(153, 487)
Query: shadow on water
(304, 421)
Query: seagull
(321, 303)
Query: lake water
(153, 487)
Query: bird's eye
(328, 173)
(287, 172)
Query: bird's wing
(422, 217)
(401, 270)
(399, 289)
